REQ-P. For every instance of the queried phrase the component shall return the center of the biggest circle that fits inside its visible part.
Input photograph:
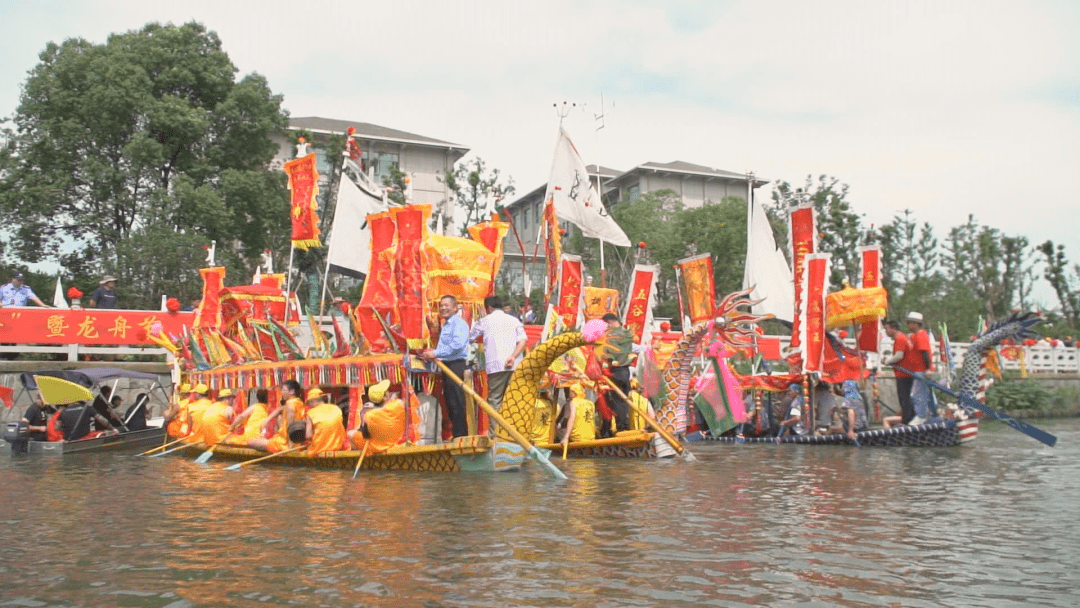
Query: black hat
(17, 275)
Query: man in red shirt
(901, 348)
(918, 361)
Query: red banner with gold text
(871, 277)
(802, 245)
(697, 278)
(815, 276)
(304, 184)
(92, 326)
(569, 290)
(641, 298)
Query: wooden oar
(176, 449)
(360, 461)
(653, 423)
(239, 465)
(208, 454)
(534, 453)
(162, 446)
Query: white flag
(575, 200)
(58, 300)
(350, 238)
(767, 270)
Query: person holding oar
(578, 417)
(291, 410)
(324, 430)
(195, 411)
(252, 420)
(176, 417)
(381, 426)
(217, 419)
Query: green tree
(476, 190)
(148, 136)
(995, 267)
(1058, 275)
(839, 228)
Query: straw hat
(202, 389)
(915, 316)
(225, 394)
(378, 391)
(315, 393)
(107, 278)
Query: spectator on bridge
(105, 295)
(16, 293)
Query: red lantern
(641, 245)
(73, 293)
(843, 334)
(665, 326)
(172, 305)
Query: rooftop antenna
(600, 117)
(564, 111)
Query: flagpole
(603, 271)
(288, 282)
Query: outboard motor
(18, 435)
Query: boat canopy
(89, 377)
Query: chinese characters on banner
(639, 306)
(304, 184)
(411, 223)
(813, 327)
(569, 290)
(599, 301)
(802, 245)
(697, 278)
(871, 277)
(95, 327)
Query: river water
(990, 524)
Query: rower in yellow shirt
(291, 410)
(176, 417)
(543, 423)
(195, 411)
(580, 414)
(252, 418)
(382, 426)
(638, 401)
(325, 430)
(217, 418)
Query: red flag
(813, 330)
(552, 249)
(304, 184)
(569, 290)
(639, 306)
(871, 277)
(7, 395)
(208, 315)
(769, 347)
(697, 280)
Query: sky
(944, 108)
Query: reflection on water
(993, 524)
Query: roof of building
(366, 130)
(684, 168)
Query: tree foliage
(1063, 281)
(144, 143)
(839, 228)
(476, 190)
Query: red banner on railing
(90, 326)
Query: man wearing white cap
(917, 360)
(105, 295)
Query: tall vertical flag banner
(697, 276)
(600, 301)
(638, 315)
(812, 325)
(569, 290)
(411, 279)
(208, 314)
(380, 288)
(304, 184)
(568, 189)
(803, 243)
(871, 277)
(552, 250)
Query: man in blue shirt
(16, 293)
(451, 350)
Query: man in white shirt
(504, 341)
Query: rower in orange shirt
(176, 418)
(380, 427)
(325, 431)
(252, 418)
(217, 418)
(291, 410)
(195, 411)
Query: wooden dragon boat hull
(472, 453)
(636, 445)
(134, 440)
(935, 434)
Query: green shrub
(1019, 395)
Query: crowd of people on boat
(105, 415)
